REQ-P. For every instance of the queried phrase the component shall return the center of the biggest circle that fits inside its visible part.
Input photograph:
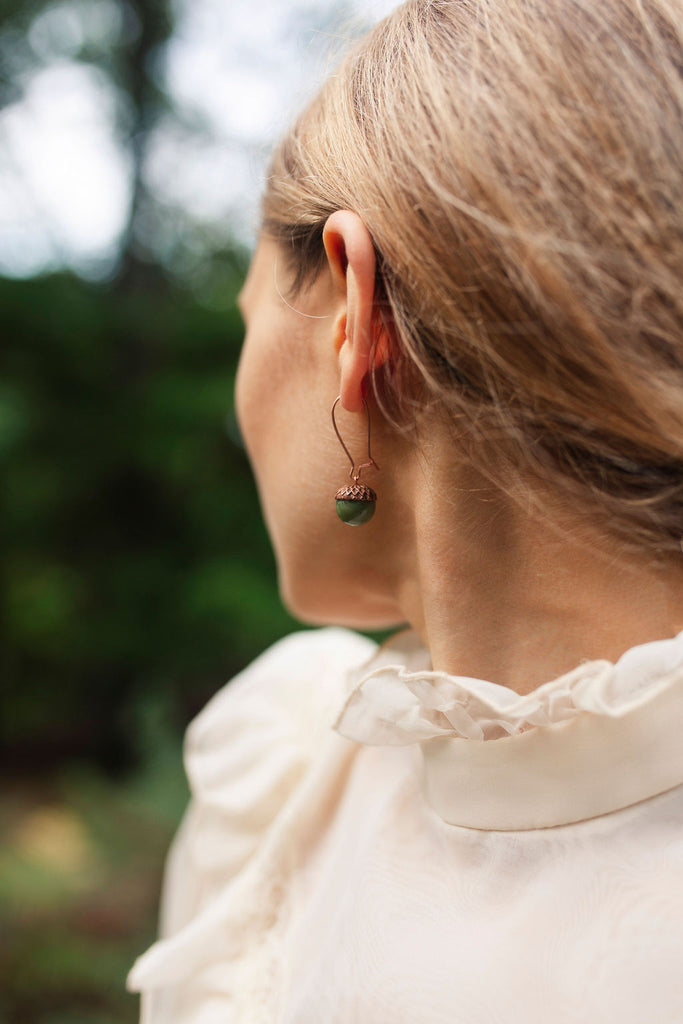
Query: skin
(514, 592)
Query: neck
(502, 593)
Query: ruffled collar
(593, 741)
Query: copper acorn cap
(356, 492)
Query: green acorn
(355, 504)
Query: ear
(351, 259)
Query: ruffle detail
(397, 700)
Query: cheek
(253, 397)
(277, 390)
(242, 395)
(268, 406)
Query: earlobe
(351, 258)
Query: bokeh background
(136, 575)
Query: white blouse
(392, 845)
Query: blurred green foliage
(80, 861)
(135, 571)
(134, 558)
(135, 578)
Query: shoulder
(246, 754)
(278, 708)
(303, 674)
(315, 656)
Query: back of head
(518, 166)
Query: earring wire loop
(355, 472)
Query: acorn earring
(355, 503)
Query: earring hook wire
(355, 472)
(299, 312)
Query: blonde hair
(518, 166)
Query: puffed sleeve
(245, 755)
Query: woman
(473, 238)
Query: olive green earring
(356, 502)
